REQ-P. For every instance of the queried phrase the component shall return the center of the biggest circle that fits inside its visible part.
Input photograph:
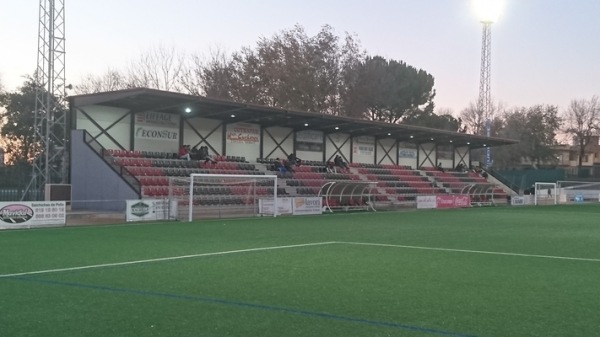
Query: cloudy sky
(543, 51)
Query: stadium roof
(144, 99)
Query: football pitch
(488, 272)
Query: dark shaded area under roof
(144, 99)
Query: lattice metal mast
(50, 112)
(485, 99)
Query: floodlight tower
(485, 100)
(488, 12)
(50, 126)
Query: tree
(582, 121)
(443, 120)
(475, 120)
(111, 80)
(158, 68)
(289, 70)
(17, 128)
(392, 89)
(212, 78)
(535, 128)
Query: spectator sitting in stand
(330, 167)
(184, 152)
(289, 166)
(439, 167)
(205, 156)
(293, 161)
(278, 165)
(195, 153)
(340, 163)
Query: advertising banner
(453, 201)
(426, 201)
(150, 209)
(443, 201)
(364, 145)
(307, 205)
(309, 140)
(267, 206)
(243, 133)
(157, 126)
(19, 214)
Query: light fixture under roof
(232, 116)
(468, 143)
(305, 124)
(187, 110)
(389, 133)
(450, 140)
(431, 138)
(337, 127)
(411, 137)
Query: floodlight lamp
(488, 11)
(188, 110)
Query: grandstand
(124, 144)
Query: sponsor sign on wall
(243, 133)
(267, 206)
(150, 209)
(31, 214)
(364, 145)
(426, 201)
(307, 205)
(160, 126)
(309, 140)
(407, 153)
(443, 201)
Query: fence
(14, 181)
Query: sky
(543, 51)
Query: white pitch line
(162, 259)
(473, 251)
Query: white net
(205, 196)
(578, 191)
(545, 194)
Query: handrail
(100, 150)
(514, 187)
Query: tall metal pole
(50, 115)
(484, 102)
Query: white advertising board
(19, 214)
(267, 206)
(426, 201)
(150, 209)
(307, 205)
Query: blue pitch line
(250, 305)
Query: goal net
(545, 194)
(206, 196)
(578, 191)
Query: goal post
(578, 191)
(204, 196)
(546, 194)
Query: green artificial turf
(530, 271)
